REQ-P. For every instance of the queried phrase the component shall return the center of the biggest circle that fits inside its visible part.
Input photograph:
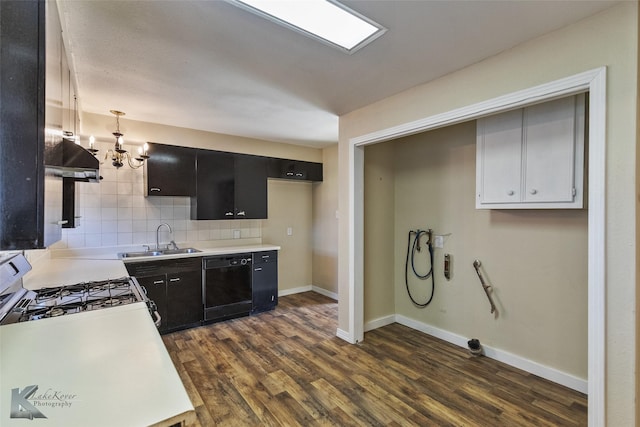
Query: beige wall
(379, 232)
(325, 224)
(137, 133)
(290, 206)
(607, 39)
(536, 260)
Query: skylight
(323, 20)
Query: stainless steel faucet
(158, 234)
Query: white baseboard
(301, 289)
(379, 322)
(345, 336)
(516, 361)
(292, 291)
(325, 292)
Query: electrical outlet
(289, 231)
(438, 241)
(236, 234)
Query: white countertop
(112, 253)
(99, 368)
(69, 271)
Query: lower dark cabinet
(264, 281)
(175, 286)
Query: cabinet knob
(241, 213)
(154, 189)
(533, 191)
(510, 193)
(228, 214)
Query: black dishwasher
(227, 286)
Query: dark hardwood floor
(287, 368)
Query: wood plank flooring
(287, 368)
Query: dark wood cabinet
(175, 286)
(264, 281)
(26, 220)
(230, 186)
(294, 169)
(170, 171)
(156, 287)
(250, 187)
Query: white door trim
(592, 81)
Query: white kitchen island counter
(97, 368)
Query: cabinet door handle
(174, 279)
(265, 256)
(154, 189)
(62, 222)
(533, 191)
(257, 269)
(228, 214)
(241, 213)
(158, 282)
(299, 174)
(510, 193)
(289, 173)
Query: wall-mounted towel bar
(476, 265)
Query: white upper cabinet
(532, 158)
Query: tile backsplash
(115, 212)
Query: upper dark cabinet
(230, 186)
(26, 220)
(170, 171)
(251, 187)
(295, 169)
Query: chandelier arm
(131, 165)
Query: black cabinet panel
(295, 169)
(156, 287)
(215, 186)
(22, 123)
(176, 288)
(170, 171)
(230, 186)
(184, 299)
(251, 187)
(264, 281)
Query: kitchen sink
(158, 252)
(180, 251)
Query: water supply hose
(412, 248)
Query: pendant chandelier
(118, 154)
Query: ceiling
(212, 66)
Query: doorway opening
(594, 82)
